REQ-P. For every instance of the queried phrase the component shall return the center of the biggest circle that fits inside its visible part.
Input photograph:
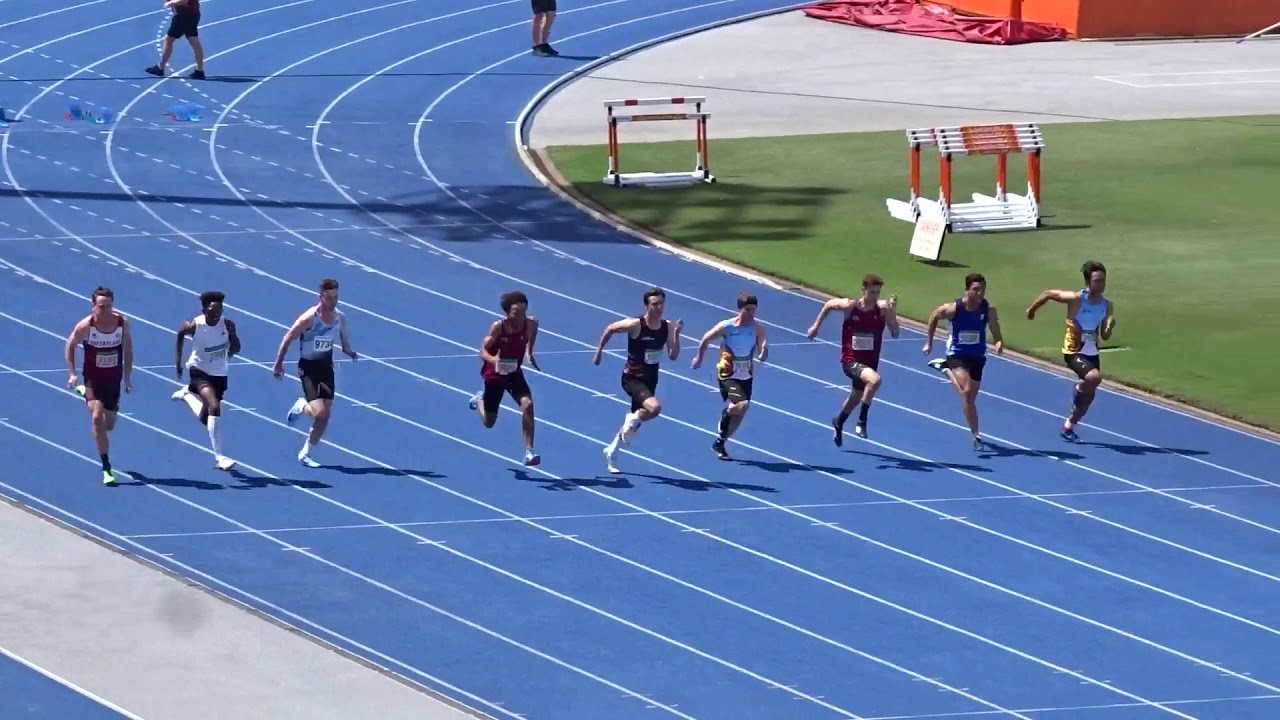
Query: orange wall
(1135, 18)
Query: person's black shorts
(318, 382)
(184, 25)
(1082, 364)
(200, 379)
(543, 6)
(971, 363)
(513, 384)
(736, 391)
(107, 393)
(853, 371)
(640, 387)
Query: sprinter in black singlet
(648, 337)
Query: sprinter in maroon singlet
(504, 350)
(185, 23)
(108, 365)
(861, 338)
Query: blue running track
(1132, 576)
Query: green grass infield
(1182, 212)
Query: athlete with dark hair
(742, 343)
(1090, 316)
(861, 338)
(214, 342)
(649, 337)
(969, 316)
(503, 351)
(108, 365)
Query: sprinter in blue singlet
(1090, 317)
(742, 344)
(969, 317)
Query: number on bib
(969, 338)
(106, 361)
(652, 357)
(1090, 336)
(864, 341)
(506, 367)
(741, 366)
(322, 344)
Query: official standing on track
(544, 14)
(108, 364)
(742, 343)
(861, 340)
(185, 23)
(648, 336)
(1090, 316)
(503, 351)
(213, 342)
(969, 316)
(315, 330)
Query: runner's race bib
(106, 361)
(506, 367)
(741, 367)
(322, 344)
(652, 357)
(970, 338)
(863, 341)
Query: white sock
(306, 447)
(613, 444)
(194, 402)
(215, 434)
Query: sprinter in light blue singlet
(1090, 317)
(743, 343)
(969, 317)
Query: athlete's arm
(628, 326)
(533, 337)
(942, 312)
(77, 336)
(707, 337)
(993, 322)
(344, 335)
(673, 339)
(1109, 322)
(827, 308)
(762, 343)
(1062, 296)
(188, 328)
(890, 308)
(290, 335)
(126, 340)
(488, 340)
(233, 339)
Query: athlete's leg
(211, 395)
(489, 402)
(865, 381)
(1090, 373)
(98, 400)
(737, 395)
(523, 395)
(960, 370)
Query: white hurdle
(1002, 211)
(702, 170)
(1260, 33)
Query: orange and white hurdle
(1003, 211)
(702, 168)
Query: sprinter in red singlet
(861, 338)
(504, 350)
(185, 23)
(108, 365)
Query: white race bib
(219, 354)
(741, 366)
(970, 338)
(322, 344)
(506, 367)
(864, 341)
(652, 357)
(106, 361)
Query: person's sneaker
(540, 51)
(552, 52)
(156, 70)
(197, 75)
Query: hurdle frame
(1002, 211)
(702, 166)
(1260, 33)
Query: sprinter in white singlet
(213, 342)
(318, 329)
(743, 343)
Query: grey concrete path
(164, 650)
(819, 76)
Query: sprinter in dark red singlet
(185, 23)
(504, 349)
(861, 339)
(108, 365)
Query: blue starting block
(185, 112)
(104, 116)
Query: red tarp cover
(919, 18)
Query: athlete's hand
(928, 346)
(999, 347)
(813, 332)
(697, 363)
(595, 359)
(72, 381)
(353, 355)
(179, 372)
(277, 370)
(1031, 312)
(128, 386)
(534, 362)
(893, 301)
(679, 325)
